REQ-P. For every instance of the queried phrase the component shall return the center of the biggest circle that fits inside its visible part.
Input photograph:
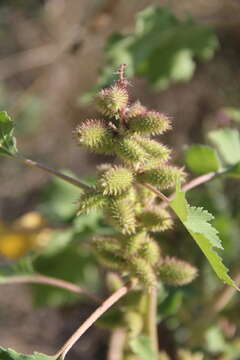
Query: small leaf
(202, 159)
(7, 140)
(141, 346)
(9, 354)
(197, 222)
(228, 142)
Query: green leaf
(9, 354)
(59, 199)
(7, 140)
(197, 222)
(228, 142)
(202, 159)
(141, 346)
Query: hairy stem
(92, 319)
(51, 171)
(41, 279)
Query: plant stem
(151, 318)
(109, 302)
(51, 171)
(116, 344)
(42, 279)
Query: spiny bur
(95, 135)
(91, 200)
(164, 177)
(108, 251)
(122, 215)
(155, 219)
(173, 271)
(112, 100)
(136, 109)
(150, 251)
(154, 148)
(116, 180)
(129, 151)
(150, 123)
(143, 271)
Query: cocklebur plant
(129, 193)
(125, 130)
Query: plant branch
(51, 171)
(109, 302)
(42, 279)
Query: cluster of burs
(122, 189)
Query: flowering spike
(143, 271)
(164, 177)
(155, 149)
(155, 219)
(91, 200)
(128, 150)
(112, 100)
(136, 109)
(150, 123)
(121, 214)
(116, 180)
(150, 251)
(173, 271)
(95, 135)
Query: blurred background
(183, 59)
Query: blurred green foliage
(162, 48)
(9, 354)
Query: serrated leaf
(197, 222)
(9, 354)
(198, 218)
(7, 140)
(202, 159)
(228, 143)
(141, 346)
